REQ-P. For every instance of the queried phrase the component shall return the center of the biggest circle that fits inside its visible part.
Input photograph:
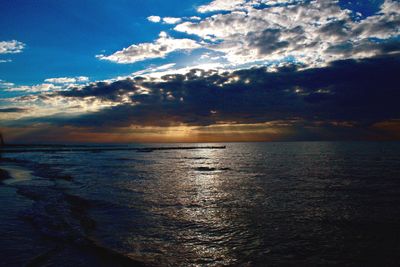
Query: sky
(199, 70)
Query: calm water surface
(251, 204)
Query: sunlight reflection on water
(251, 203)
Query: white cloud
(195, 18)
(5, 60)
(313, 33)
(166, 20)
(219, 5)
(171, 20)
(63, 80)
(165, 66)
(49, 104)
(390, 6)
(11, 47)
(157, 73)
(266, 31)
(49, 85)
(44, 87)
(154, 19)
(158, 49)
(4, 84)
(277, 2)
(383, 26)
(154, 69)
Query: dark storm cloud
(12, 110)
(363, 91)
(102, 90)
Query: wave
(211, 169)
(62, 219)
(43, 170)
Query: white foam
(17, 174)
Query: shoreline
(15, 173)
(54, 246)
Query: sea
(230, 204)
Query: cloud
(50, 106)
(347, 99)
(166, 20)
(50, 84)
(153, 70)
(165, 66)
(11, 47)
(12, 113)
(305, 31)
(194, 18)
(171, 20)
(305, 69)
(12, 110)
(250, 32)
(356, 91)
(4, 84)
(154, 19)
(278, 2)
(220, 5)
(5, 60)
(44, 87)
(63, 80)
(159, 49)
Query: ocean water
(250, 204)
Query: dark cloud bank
(364, 90)
(345, 98)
